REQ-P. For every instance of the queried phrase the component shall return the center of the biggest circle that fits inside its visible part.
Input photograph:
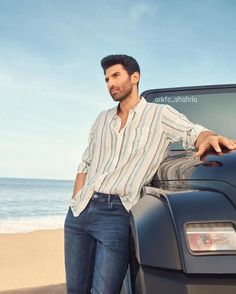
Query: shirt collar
(137, 108)
(140, 106)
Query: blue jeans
(97, 246)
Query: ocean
(28, 205)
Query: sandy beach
(31, 261)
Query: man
(126, 145)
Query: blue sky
(51, 83)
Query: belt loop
(109, 200)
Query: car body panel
(185, 190)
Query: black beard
(121, 98)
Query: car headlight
(211, 237)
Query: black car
(183, 229)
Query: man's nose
(111, 84)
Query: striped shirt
(122, 162)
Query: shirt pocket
(140, 139)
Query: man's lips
(113, 90)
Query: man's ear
(135, 77)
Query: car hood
(184, 166)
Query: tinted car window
(216, 111)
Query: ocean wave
(30, 224)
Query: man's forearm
(79, 182)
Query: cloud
(8, 81)
(141, 10)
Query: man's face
(119, 82)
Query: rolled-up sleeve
(177, 128)
(84, 165)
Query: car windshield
(215, 111)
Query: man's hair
(128, 62)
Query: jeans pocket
(118, 206)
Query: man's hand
(207, 140)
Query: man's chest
(126, 134)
